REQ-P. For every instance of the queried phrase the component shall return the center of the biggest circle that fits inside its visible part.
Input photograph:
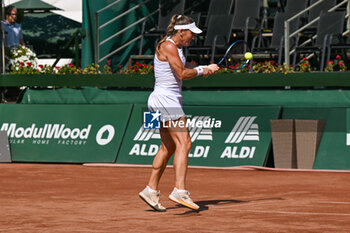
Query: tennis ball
(248, 55)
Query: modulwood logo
(105, 135)
(48, 131)
(58, 131)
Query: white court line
(334, 202)
(239, 168)
(293, 213)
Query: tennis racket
(237, 56)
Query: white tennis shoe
(183, 198)
(152, 199)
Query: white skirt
(167, 103)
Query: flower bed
(23, 61)
(336, 65)
(257, 67)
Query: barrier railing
(288, 35)
(98, 27)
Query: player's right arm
(168, 52)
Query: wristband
(200, 70)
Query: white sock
(180, 190)
(151, 190)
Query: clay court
(77, 198)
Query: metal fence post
(97, 39)
(286, 43)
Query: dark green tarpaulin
(31, 5)
(90, 7)
(284, 98)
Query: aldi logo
(244, 130)
(145, 134)
(201, 133)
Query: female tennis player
(170, 70)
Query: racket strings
(235, 56)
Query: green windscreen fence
(90, 7)
(286, 98)
(131, 14)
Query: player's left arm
(169, 50)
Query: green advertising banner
(334, 149)
(221, 136)
(306, 113)
(64, 133)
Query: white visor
(192, 27)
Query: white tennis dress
(167, 96)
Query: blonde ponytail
(178, 20)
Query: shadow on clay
(204, 205)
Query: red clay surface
(76, 198)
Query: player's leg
(161, 159)
(182, 140)
(151, 194)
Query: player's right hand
(213, 68)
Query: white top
(165, 77)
